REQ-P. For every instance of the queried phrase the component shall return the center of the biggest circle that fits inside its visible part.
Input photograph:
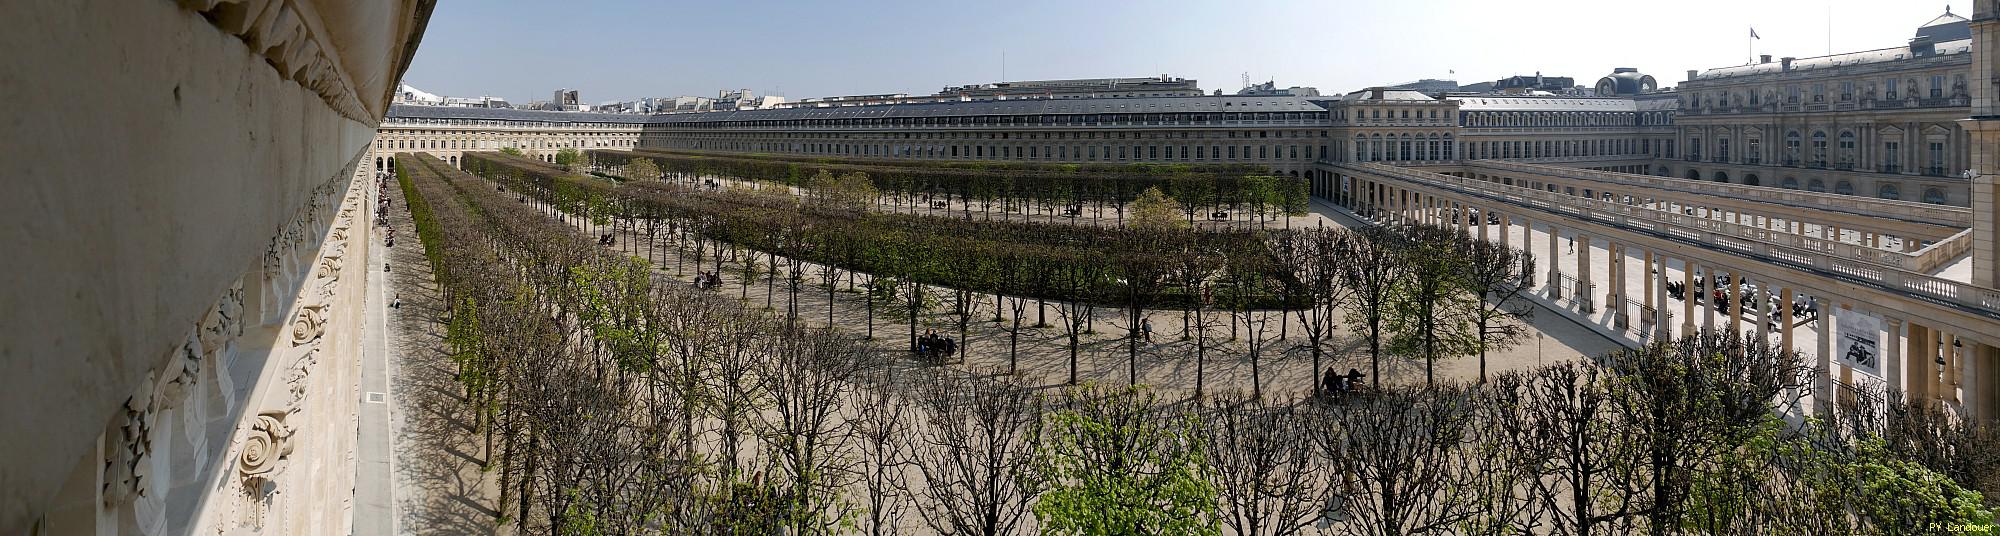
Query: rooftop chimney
(1375, 93)
(1922, 46)
(1691, 74)
(1764, 58)
(1786, 62)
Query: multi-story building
(450, 132)
(1878, 123)
(1285, 133)
(1085, 88)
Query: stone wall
(180, 244)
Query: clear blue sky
(625, 49)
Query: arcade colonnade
(1620, 260)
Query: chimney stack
(1923, 45)
(1786, 62)
(1764, 58)
(1691, 74)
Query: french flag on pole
(1753, 33)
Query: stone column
(1982, 383)
(1919, 362)
(1983, 132)
(1656, 286)
(1555, 263)
(1953, 363)
(1736, 303)
(1823, 363)
(1614, 297)
(1585, 285)
(1785, 319)
(1688, 297)
(1708, 298)
(1892, 363)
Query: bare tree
(1397, 455)
(1312, 256)
(1270, 477)
(883, 431)
(1373, 270)
(810, 375)
(973, 454)
(1495, 272)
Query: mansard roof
(1544, 104)
(507, 114)
(1131, 105)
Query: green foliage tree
(570, 159)
(1115, 461)
(1154, 211)
(642, 169)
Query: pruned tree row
(623, 405)
(1048, 188)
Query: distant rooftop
(1010, 107)
(506, 114)
(1949, 34)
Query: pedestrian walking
(1146, 329)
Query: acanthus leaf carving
(310, 324)
(268, 442)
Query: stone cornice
(292, 37)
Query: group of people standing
(706, 280)
(934, 346)
(1335, 383)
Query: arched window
(1843, 188)
(1846, 157)
(1790, 183)
(1792, 148)
(1819, 149)
(1693, 175)
(1751, 180)
(1721, 177)
(1889, 191)
(1934, 196)
(1816, 185)
(1664, 172)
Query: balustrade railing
(1904, 210)
(1848, 261)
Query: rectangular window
(1937, 86)
(1891, 94)
(1232, 152)
(1261, 155)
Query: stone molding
(287, 34)
(162, 444)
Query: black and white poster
(1858, 342)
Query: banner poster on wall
(1859, 342)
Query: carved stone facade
(180, 356)
(231, 410)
